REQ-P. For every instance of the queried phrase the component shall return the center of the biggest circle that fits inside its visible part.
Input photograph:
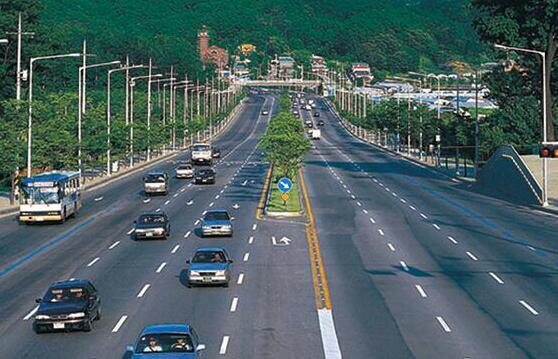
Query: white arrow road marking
(190, 202)
(99, 199)
(119, 323)
(285, 241)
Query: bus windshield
(40, 195)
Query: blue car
(217, 222)
(178, 341)
(209, 266)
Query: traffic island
(283, 203)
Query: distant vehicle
(209, 266)
(308, 108)
(72, 304)
(178, 341)
(50, 196)
(310, 124)
(184, 171)
(156, 182)
(310, 102)
(201, 154)
(216, 222)
(321, 123)
(265, 112)
(204, 175)
(313, 105)
(216, 152)
(295, 112)
(151, 225)
(316, 114)
(316, 134)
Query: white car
(265, 112)
(184, 171)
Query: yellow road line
(261, 204)
(321, 290)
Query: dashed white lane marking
(204, 213)
(211, 204)
(119, 323)
(413, 208)
(114, 245)
(391, 247)
(349, 192)
(528, 307)
(444, 325)
(189, 203)
(381, 232)
(130, 231)
(496, 278)
(224, 345)
(93, 261)
(234, 304)
(375, 180)
(147, 200)
(158, 210)
(359, 204)
(31, 313)
(452, 240)
(240, 278)
(353, 196)
(167, 202)
(175, 195)
(402, 200)
(330, 342)
(182, 190)
(222, 191)
(160, 268)
(196, 222)
(436, 226)
(175, 249)
(404, 266)
(532, 248)
(472, 256)
(394, 194)
(387, 189)
(372, 220)
(424, 216)
(344, 186)
(251, 240)
(217, 197)
(421, 291)
(189, 185)
(143, 290)
(365, 211)
(187, 234)
(99, 199)
(381, 184)
(246, 256)
(254, 226)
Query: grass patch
(276, 204)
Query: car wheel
(38, 329)
(226, 285)
(189, 285)
(98, 317)
(87, 325)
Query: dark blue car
(164, 341)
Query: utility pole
(19, 74)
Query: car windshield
(201, 148)
(165, 343)
(216, 216)
(209, 257)
(41, 195)
(155, 178)
(58, 295)
(151, 219)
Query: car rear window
(151, 219)
(151, 178)
(216, 216)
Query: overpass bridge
(279, 83)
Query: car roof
(218, 210)
(210, 249)
(70, 283)
(157, 173)
(153, 213)
(166, 328)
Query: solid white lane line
(240, 278)
(381, 232)
(211, 204)
(372, 220)
(420, 290)
(246, 256)
(444, 325)
(365, 211)
(413, 208)
(31, 313)
(224, 345)
(114, 244)
(196, 222)
(452, 240)
(234, 304)
(330, 342)
(251, 240)
(175, 249)
(528, 307)
(424, 216)
(187, 234)
(161, 266)
(167, 202)
(402, 200)
(130, 231)
(391, 247)
(93, 261)
(404, 265)
(472, 256)
(119, 323)
(254, 226)
(143, 290)
(496, 278)
(436, 226)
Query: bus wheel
(75, 210)
(63, 216)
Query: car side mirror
(187, 261)
(200, 347)
(232, 218)
(135, 222)
(129, 348)
(38, 300)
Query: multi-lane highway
(414, 263)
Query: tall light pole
(110, 72)
(19, 34)
(81, 102)
(30, 108)
(545, 84)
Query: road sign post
(285, 185)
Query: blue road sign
(285, 185)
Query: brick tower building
(214, 54)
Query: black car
(72, 304)
(321, 123)
(316, 114)
(151, 225)
(204, 175)
(216, 152)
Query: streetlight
(3, 41)
(30, 109)
(81, 102)
(545, 135)
(110, 72)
